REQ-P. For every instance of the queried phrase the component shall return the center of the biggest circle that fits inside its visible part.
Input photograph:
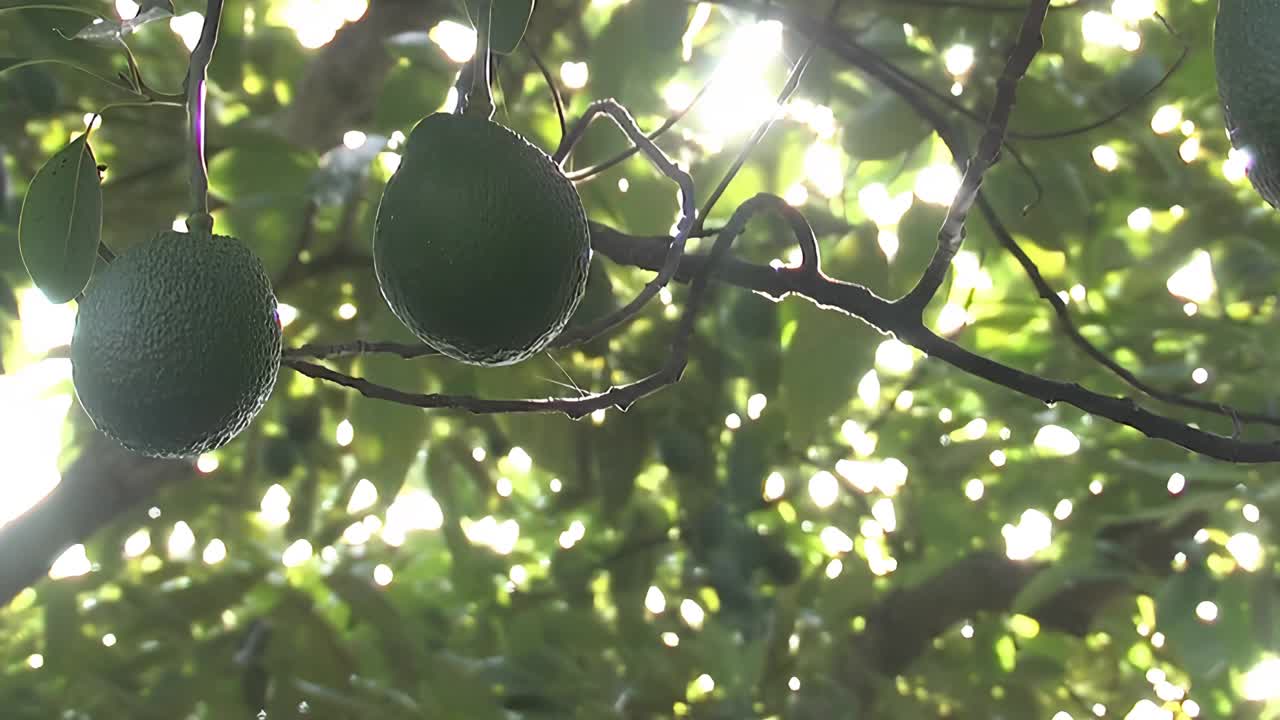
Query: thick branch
(103, 482)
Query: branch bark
(103, 482)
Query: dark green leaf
(61, 222)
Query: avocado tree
(920, 366)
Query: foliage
(814, 522)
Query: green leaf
(390, 435)
(882, 127)
(509, 20)
(821, 366)
(1072, 570)
(61, 222)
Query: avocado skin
(481, 245)
(177, 344)
(1246, 47)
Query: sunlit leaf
(61, 222)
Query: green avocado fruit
(480, 245)
(1246, 49)
(177, 344)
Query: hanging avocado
(1246, 49)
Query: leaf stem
(196, 87)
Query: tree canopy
(955, 404)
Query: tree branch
(104, 481)
(951, 235)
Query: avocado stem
(480, 100)
(196, 87)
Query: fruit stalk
(480, 101)
(196, 86)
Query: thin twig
(590, 172)
(552, 87)
(788, 89)
(621, 397)
(951, 235)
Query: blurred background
(816, 522)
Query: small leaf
(509, 20)
(61, 222)
(149, 12)
(100, 30)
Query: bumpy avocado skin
(1246, 47)
(480, 246)
(177, 344)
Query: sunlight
(1107, 30)
(363, 497)
(1057, 440)
(1166, 119)
(344, 433)
(275, 506)
(501, 537)
(137, 544)
(574, 75)
(1235, 167)
(895, 357)
(975, 489)
(1033, 533)
(952, 318)
(382, 575)
(835, 541)
(823, 167)
(692, 613)
(1106, 157)
(654, 601)
(1194, 281)
(1207, 610)
(883, 209)
(73, 562)
(31, 434)
(1247, 550)
(775, 486)
(937, 184)
(296, 554)
(740, 97)
(1262, 682)
(824, 489)
(458, 41)
(207, 463)
(520, 460)
(887, 476)
(1063, 509)
(756, 405)
(45, 326)
(958, 59)
(869, 389)
(315, 22)
(181, 541)
(187, 27)
(1189, 150)
(879, 561)
(1140, 219)
(214, 553)
(885, 514)
(1133, 10)
(862, 442)
(1146, 710)
(127, 9)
